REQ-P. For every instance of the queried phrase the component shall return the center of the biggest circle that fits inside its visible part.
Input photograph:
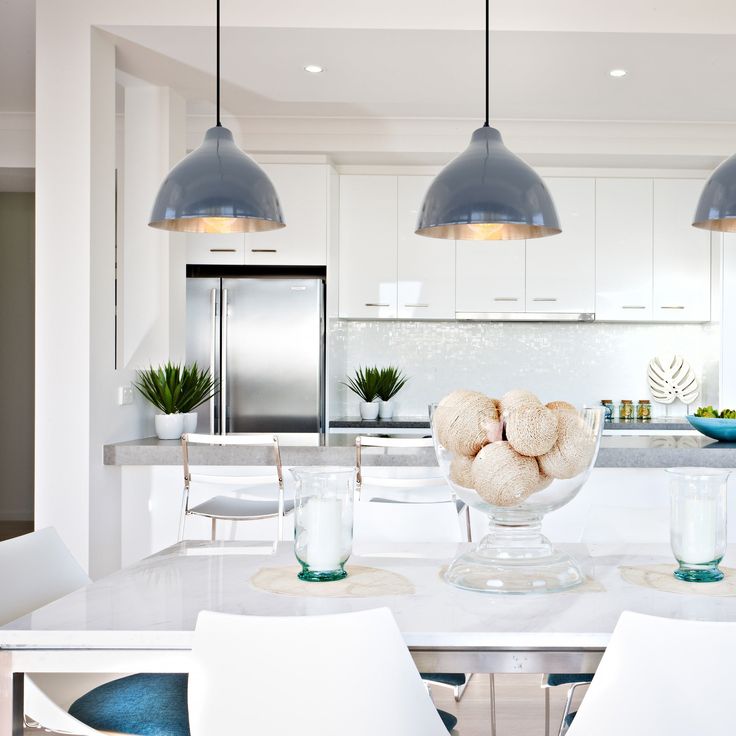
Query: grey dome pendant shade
(487, 192)
(217, 188)
(716, 208)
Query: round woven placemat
(660, 577)
(361, 582)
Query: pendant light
(217, 188)
(487, 192)
(716, 208)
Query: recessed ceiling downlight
(617, 73)
(314, 68)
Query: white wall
(76, 379)
(578, 362)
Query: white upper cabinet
(623, 273)
(215, 248)
(490, 276)
(302, 191)
(681, 254)
(426, 266)
(560, 269)
(368, 247)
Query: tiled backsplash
(578, 362)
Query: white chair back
(662, 677)
(402, 505)
(332, 675)
(36, 569)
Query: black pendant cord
(486, 124)
(217, 46)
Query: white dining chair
(36, 569)
(607, 525)
(348, 673)
(251, 497)
(410, 507)
(662, 677)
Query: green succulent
(366, 383)
(173, 388)
(391, 381)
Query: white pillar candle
(322, 522)
(698, 542)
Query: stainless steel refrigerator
(263, 337)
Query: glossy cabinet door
(368, 247)
(623, 274)
(302, 191)
(489, 277)
(681, 254)
(560, 269)
(426, 266)
(211, 248)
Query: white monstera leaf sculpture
(670, 378)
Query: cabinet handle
(263, 250)
(223, 250)
(673, 307)
(632, 306)
(416, 305)
(373, 304)
(507, 299)
(545, 299)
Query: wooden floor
(519, 706)
(10, 529)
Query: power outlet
(125, 395)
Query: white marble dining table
(142, 618)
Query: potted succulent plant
(365, 385)
(176, 391)
(197, 386)
(161, 387)
(390, 381)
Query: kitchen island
(618, 451)
(626, 498)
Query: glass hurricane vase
(515, 557)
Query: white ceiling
(439, 74)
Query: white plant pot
(169, 426)
(369, 409)
(386, 409)
(190, 422)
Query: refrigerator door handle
(223, 363)
(213, 351)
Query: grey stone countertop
(642, 451)
(677, 424)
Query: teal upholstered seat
(446, 678)
(568, 679)
(149, 705)
(144, 704)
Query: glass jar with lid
(644, 410)
(607, 404)
(626, 410)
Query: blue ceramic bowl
(723, 430)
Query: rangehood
(526, 316)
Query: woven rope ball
(460, 471)
(531, 429)
(573, 450)
(562, 406)
(447, 412)
(502, 477)
(469, 424)
(516, 398)
(544, 482)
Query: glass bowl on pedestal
(515, 557)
